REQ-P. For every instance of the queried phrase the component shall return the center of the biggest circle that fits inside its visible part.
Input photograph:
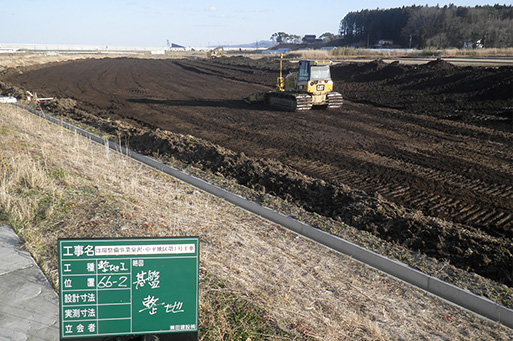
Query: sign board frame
(131, 286)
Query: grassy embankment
(55, 184)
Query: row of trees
(285, 38)
(424, 26)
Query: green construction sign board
(114, 287)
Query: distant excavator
(311, 86)
(216, 53)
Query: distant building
(8, 50)
(281, 50)
(385, 43)
(176, 47)
(311, 39)
(473, 44)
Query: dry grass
(343, 52)
(258, 281)
(340, 52)
(491, 52)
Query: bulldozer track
(463, 199)
(289, 101)
(445, 206)
(335, 100)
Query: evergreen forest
(425, 27)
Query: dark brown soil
(418, 155)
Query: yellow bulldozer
(310, 86)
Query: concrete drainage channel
(460, 297)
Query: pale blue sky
(189, 23)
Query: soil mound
(477, 95)
(439, 65)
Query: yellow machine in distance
(310, 86)
(217, 52)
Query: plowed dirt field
(419, 155)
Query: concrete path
(29, 306)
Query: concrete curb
(458, 296)
(30, 306)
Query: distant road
(460, 61)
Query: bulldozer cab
(313, 77)
(314, 70)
